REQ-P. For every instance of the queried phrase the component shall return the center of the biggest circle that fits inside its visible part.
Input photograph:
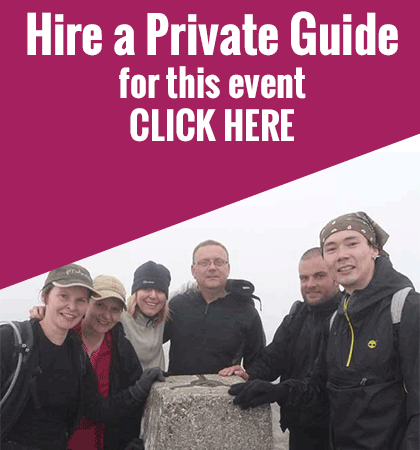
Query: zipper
(346, 301)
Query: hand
(140, 390)
(234, 370)
(258, 392)
(37, 312)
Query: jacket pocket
(369, 416)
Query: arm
(254, 340)
(409, 352)
(126, 402)
(312, 390)
(99, 409)
(273, 360)
(292, 394)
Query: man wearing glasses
(214, 324)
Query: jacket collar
(385, 282)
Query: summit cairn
(195, 412)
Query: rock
(281, 440)
(195, 412)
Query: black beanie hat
(151, 276)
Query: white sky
(266, 234)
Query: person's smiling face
(66, 306)
(150, 301)
(103, 314)
(350, 259)
(316, 284)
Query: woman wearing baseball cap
(56, 385)
(114, 362)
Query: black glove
(237, 388)
(257, 392)
(135, 444)
(140, 390)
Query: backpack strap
(23, 344)
(27, 333)
(17, 385)
(397, 304)
(296, 317)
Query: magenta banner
(124, 118)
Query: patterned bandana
(360, 222)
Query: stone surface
(196, 413)
(281, 440)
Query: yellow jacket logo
(372, 343)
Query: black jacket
(292, 352)
(371, 368)
(113, 410)
(125, 370)
(206, 338)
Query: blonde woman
(147, 311)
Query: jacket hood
(385, 282)
(242, 288)
(239, 288)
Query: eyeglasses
(219, 262)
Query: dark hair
(209, 242)
(45, 291)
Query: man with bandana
(368, 361)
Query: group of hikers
(78, 373)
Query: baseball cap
(108, 286)
(71, 275)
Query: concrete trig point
(195, 412)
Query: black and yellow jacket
(370, 368)
(125, 370)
